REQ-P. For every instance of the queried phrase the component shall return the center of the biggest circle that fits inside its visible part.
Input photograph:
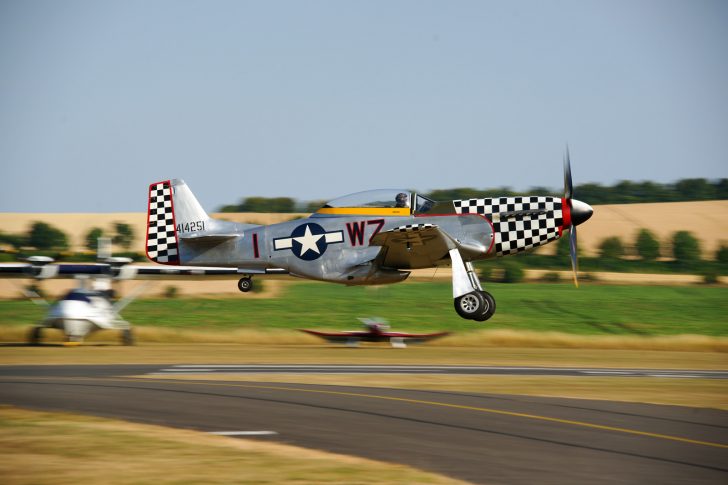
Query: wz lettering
(356, 230)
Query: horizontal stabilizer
(210, 239)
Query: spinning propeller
(579, 212)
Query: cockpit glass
(382, 198)
(423, 204)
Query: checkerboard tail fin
(162, 244)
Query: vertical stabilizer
(162, 245)
(188, 213)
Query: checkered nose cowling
(162, 246)
(520, 223)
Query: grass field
(51, 448)
(589, 310)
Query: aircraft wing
(46, 270)
(9, 270)
(126, 271)
(416, 337)
(412, 246)
(334, 337)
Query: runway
(201, 369)
(481, 438)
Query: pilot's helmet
(401, 200)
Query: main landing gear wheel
(477, 305)
(470, 305)
(488, 309)
(245, 284)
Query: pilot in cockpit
(402, 200)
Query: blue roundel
(309, 241)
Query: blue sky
(317, 99)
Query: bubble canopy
(393, 202)
(381, 198)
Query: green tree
(647, 245)
(695, 189)
(124, 235)
(45, 236)
(611, 248)
(228, 208)
(721, 255)
(563, 248)
(594, 193)
(313, 205)
(92, 237)
(512, 272)
(685, 247)
(15, 240)
(626, 192)
(273, 204)
(721, 189)
(463, 193)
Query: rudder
(162, 244)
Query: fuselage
(334, 245)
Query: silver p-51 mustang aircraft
(367, 238)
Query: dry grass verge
(49, 448)
(93, 354)
(525, 338)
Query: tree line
(44, 236)
(624, 192)
(681, 253)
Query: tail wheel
(245, 284)
(471, 305)
(488, 309)
(127, 337)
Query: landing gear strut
(35, 335)
(245, 284)
(471, 301)
(127, 337)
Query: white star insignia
(308, 241)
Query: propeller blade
(103, 248)
(133, 294)
(568, 187)
(572, 251)
(35, 297)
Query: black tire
(245, 284)
(127, 337)
(470, 305)
(34, 335)
(488, 309)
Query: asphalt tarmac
(482, 438)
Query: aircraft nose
(580, 212)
